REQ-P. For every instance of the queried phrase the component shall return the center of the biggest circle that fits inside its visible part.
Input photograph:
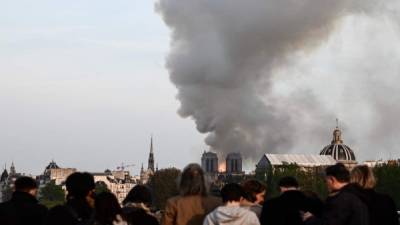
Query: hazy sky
(84, 83)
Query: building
(336, 152)
(118, 182)
(7, 180)
(339, 151)
(209, 162)
(234, 163)
(53, 172)
(145, 174)
(270, 162)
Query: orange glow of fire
(222, 167)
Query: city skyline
(86, 83)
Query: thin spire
(337, 123)
(151, 144)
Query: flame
(222, 167)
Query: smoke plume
(226, 59)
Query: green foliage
(388, 181)
(101, 187)
(309, 179)
(51, 195)
(164, 185)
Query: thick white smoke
(226, 55)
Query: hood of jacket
(229, 214)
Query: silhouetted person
(79, 208)
(137, 206)
(286, 208)
(231, 212)
(108, 210)
(193, 203)
(382, 209)
(346, 204)
(23, 208)
(254, 194)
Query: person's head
(81, 186)
(363, 176)
(288, 183)
(139, 194)
(26, 184)
(336, 177)
(232, 193)
(107, 208)
(254, 191)
(192, 181)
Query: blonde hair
(363, 176)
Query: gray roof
(308, 160)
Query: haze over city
(88, 83)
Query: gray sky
(84, 83)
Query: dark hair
(338, 171)
(231, 192)
(288, 182)
(251, 188)
(192, 181)
(79, 184)
(107, 208)
(25, 184)
(139, 194)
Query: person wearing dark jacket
(381, 207)
(137, 206)
(346, 204)
(23, 208)
(79, 208)
(285, 209)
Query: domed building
(339, 151)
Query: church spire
(151, 156)
(12, 169)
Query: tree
(51, 195)
(100, 187)
(388, 180)
(164, 185)
(309, 179)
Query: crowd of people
(352, 200)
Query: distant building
(7, 180)
(209, 162)
(331, 154)
(118, 182)
(270, 162)
(53, 172)
(339, 151)
(234, 163)
(145, 174)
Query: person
(193, 203)
(137, 206)
(346, 204)
(108, 210)
(254, 194)
(285, 209)
(23, 208)
(79, 208)
(231, 212)
(381, 206)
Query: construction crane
(123, 166)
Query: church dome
(52, 165)
(339, 151)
